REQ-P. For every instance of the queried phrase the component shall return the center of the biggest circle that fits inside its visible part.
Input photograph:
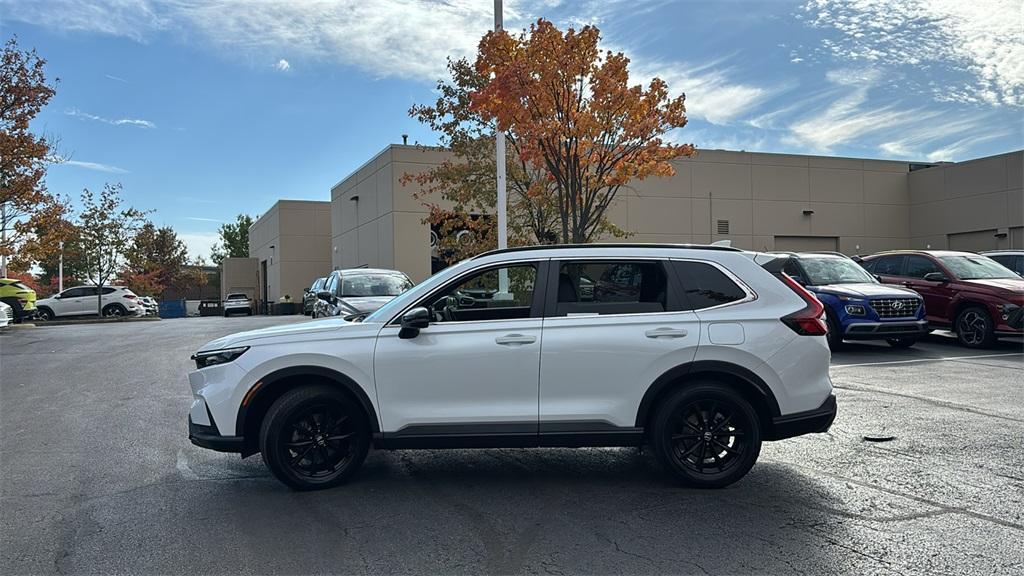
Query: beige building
(758, 201)
(292, 245)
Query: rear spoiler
(773, 263)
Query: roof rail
(540, 247)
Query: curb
(91, 321)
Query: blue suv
(857, 305)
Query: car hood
(365, 304)
(865, 290)
(302, 328)
(1010, 285)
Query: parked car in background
(968, 293)
(1012, 259)
(82, 301)
(702, 353)
(309, 296)
(6, 315)
(857, 305)
(149, 305)
(19, 297)
(237, 303)
(359, 291)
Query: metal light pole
(60, 270)
(499, 154)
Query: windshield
(822, 271)
(976, 267)
(356, 285)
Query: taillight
(130, 296)
(809, 320)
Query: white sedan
(6, 315)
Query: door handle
(515, 339)
(666, 333)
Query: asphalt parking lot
(97, 476)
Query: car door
(472, 374)
(72, 302)
(611, 327)
(937, 295)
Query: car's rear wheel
(114, 310)
(706, 435)
(974, 328)
(314, 437)
(902, 342)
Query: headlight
(855, 310)
(214, 357)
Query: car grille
(895, 307)
(7, 312)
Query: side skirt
(510, 435)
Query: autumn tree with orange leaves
(24, 91)
(574, 115)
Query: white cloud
(199, 243)
(981, 39)
(283, 65)
(198, 219)
(846, 118)
(711, 94)
(116, 78)
(88, 165)
(112, 121)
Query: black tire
(114, 310)
(16, 309)
(701, 416)
(45, 314)
(902, 342)
(975, 328)
(291, 435)
(835, 334)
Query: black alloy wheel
(314, 437)
(44, 314)
(974, 328)
(114, 310)
(707, 435)
(835, 331)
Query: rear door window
(611, 287)
(888, 266)
(918, 266)
(705, 286)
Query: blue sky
(207, 108)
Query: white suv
(82, 301)
(237, 302)
(701, 352)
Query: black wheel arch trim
(274, 378)
(710, 368)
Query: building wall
(240, 275)
(293, 238)
(766, 201)
(973, 205)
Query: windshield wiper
(356, 317)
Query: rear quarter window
(705, 286)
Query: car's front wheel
(44, 313)
(834, 337)
(974, 328)
(314, 437)
(706, 435)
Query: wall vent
(723, 226)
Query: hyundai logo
(897, 305)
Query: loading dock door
(807, 243)
(974, 241)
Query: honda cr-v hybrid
(700, 352)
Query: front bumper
(875, 330)
(812, 421)
(209, 437)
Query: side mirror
(877, 277)
(413, 321)
(936, 277)
(326, 296)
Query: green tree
(155, 261)
(106, 232)
(234, 240)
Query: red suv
(970, 294)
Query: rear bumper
(875, 330)
(818, 420)
(209, 437)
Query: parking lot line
(930, 359)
